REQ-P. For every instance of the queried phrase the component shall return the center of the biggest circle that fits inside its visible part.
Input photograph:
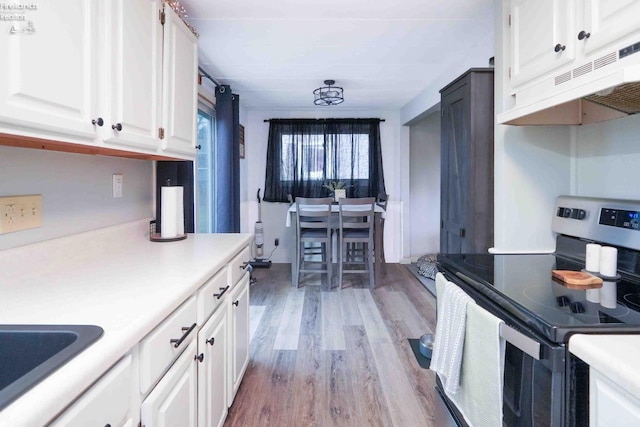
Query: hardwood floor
(339, 357)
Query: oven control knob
(567, 212)
(581, 214)
(576, 307)
(563, 301)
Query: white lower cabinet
(239, 349)
(173, 402)
(181, 373)
(609, 404)
(108, 402)
(213, 347)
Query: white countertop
(114, 278)
(615, 356)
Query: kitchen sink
(29, 353)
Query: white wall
(608, 159)
(76, 191)
(425, 186)
(395, 155)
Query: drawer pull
(211, 340)
(225, 289)
(246, 266)
(176, 342)
(199, 357)
(236, 303)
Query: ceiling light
(329, 94)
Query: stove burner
(633, 300)
(481, 262)
(563, 300)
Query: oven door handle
(521, 341)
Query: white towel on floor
(448, 345)
(479, 398)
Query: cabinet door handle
(583, 35)
(98, 122)
(463, 232)
(247, 266)
(219, 295)
(117, 126)
(236, 303)
(199, 357)
(559, 48)
(176, 342)
(198, 147)
(211, 340)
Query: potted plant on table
(337, 188)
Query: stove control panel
(572, 213)
(620, 218)
(607, 221)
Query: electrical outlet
(20, 213)
(277, 242)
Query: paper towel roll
(180, 213)
(608, 294)
(171, 215)
(608, 261)
(592, 257)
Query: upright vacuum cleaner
(259, 261)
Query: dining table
(291, 223)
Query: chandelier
(329, 94)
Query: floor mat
(415, 346)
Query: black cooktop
(522, 285)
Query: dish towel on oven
(450, 331)
(480, 396)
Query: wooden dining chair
(313, 227)
(356, 216)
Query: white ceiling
(383, 53)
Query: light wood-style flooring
(339, 357)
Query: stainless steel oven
(543, 384)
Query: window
(205, 214)
(305, 154)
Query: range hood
(597, 89)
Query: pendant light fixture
(329, 94)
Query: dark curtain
(176, 173)
(305, 154)
(235, 205)
(227, 165)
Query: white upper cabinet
(109, 74)
(131, 87)
(180, 82)
(550, 37)
(607, 21)
(48, 74)
(541, 37)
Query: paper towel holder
(156, 237)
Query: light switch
(117, 185)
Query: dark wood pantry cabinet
(466, 205)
